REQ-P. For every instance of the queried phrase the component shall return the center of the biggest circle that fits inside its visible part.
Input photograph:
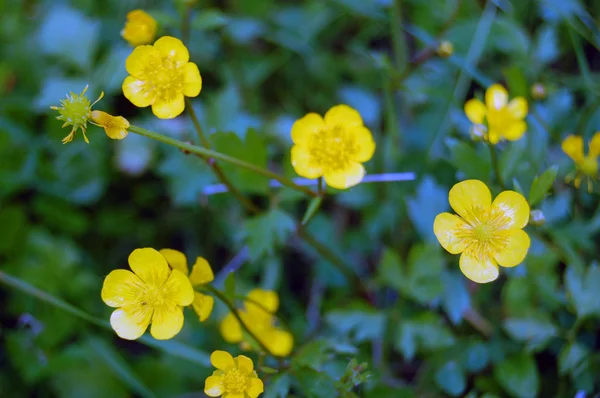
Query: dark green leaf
(571, 357)
(451, 378)
(431, 199)
(518, 375)
(583, 288)
(364, 325)
(278, 386)
(209, 19)
(541, 185)
(263, 233)
(230, 285)
(470, 161)
(535, 330)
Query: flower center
(499, 119)
(75, 110)
(487, 235)
(153, 297)
(333, 148)
(165, 77)
(234, 381)
(589, 166)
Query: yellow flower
(587, 166)
(445, 49)
(139, 29)
(258, 316)
(334, 147)
(234, 378)
(160, 76)
(114, 126)
(201, 274)
(75, 111)
(152, 293)
(486, 233)
(498, 117)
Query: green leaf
(431, 199)
(14, 228)
(278, 386)
(516, 81)
(534, 330)
(363, 324)
(178, 349)
(467, 159)
(230, 285)
(476, 357)
(583, 287)
(313, 207)
(425, 264)
(451, 378)
(456, 296)
(541, 185)
(390, 271)
(424, 333)
(518, 375)
(571, 356)
(315, 384)
(263, 233)
(209, 19)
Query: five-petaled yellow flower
(587, 166)
(258, 315)
(140, 28)
(498, 118)
(114, 126)
(234, 378)
(161, 75)
(201, 274)
(75, 111)
(486, 233)
(152, 293)
(333, 147)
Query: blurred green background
(69, 214)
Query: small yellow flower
(445, 49)
(160, 75)
(152, 293)
(75, 111)
(139, 29)
(202, 274)
(486, 233)
(499, 118)
(587, 166)
(234, 378)
(334, 147)
(114, 126)
(258, 316)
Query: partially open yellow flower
(234, 378)
(152, 293)
(587, 166)
(201, 274)
(487, 233)
(334, 147)
(75, 111)
(160, 76)
(114, 126)
(258, 316)
(499, 118)
(140, 28)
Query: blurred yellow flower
(152, 293)
(75, 111)
(445, 49)
(486, 233)
(334, 147)
(498, 118)
(587, 166)
(139, 29)
(114, 126)
(258, 315)
(161, 75)
(234, 378)
(201, 274)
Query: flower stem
(190, 110)
(496, 166)
(221, 156)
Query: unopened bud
(445, 49)
(478, 132)
(538, 91)
(537, 218)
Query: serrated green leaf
(541, 185)
(263, 233)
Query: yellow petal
(138, 92)
(595, 145)
(255, 388)
(513, 208)
(515, 251)
(364, 143)
(150, 266)
(496, 97)
(268, 299)
(469, 197)
(130, 322)
(192, 81)
(303, 163)
(214, 386)
(178, 289)
(244, 364)
(231, 330)
(173, 48)
(175, 259)
(116, 133)
(170, 108)
(279, 342)
(515, 130)
(139, 58)
(573, 147)
(234, 395)
(167, 321)
(480, 269)
(475, 111)
(345, 178)
(222, 360)
(344, 116)
(304, 129)
(493, 136)
(448, 229)
(517, 107)
(121, 287)
(203, 305)
(202, 273)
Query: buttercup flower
(258, 316)
(201, 274)
(499, 118)
(152, 293)
(160, 75)
(140, 28)
(234, 378)
(114, 126)
(486, 233)
(75, 111)
(445, 49)
(334, 147)
(587, 166)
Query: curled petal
(244, 364)
(513, 209)
(305, 128)
(150, 266)
(478, 268)
(255, 388)
(304, 164)
(496, 97)
(595, 145)
(175, 259)
(192, 81)
(517, 245)
(268, 299)
(169, 108)
(468, 198)
(130, 322)
(343, 116)
(173, 48)
(203, 305)
(279, 342)
(231, 330)
(450, 231)
(345, 178)
(222, 360)
(573, 147)
(202, 273)
(121, 287)
(167, 321)
(475, 111)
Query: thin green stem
(398, 39)
(185, 24)
(221, 156)
(496, 165)
(320, 189)
(190, 110)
